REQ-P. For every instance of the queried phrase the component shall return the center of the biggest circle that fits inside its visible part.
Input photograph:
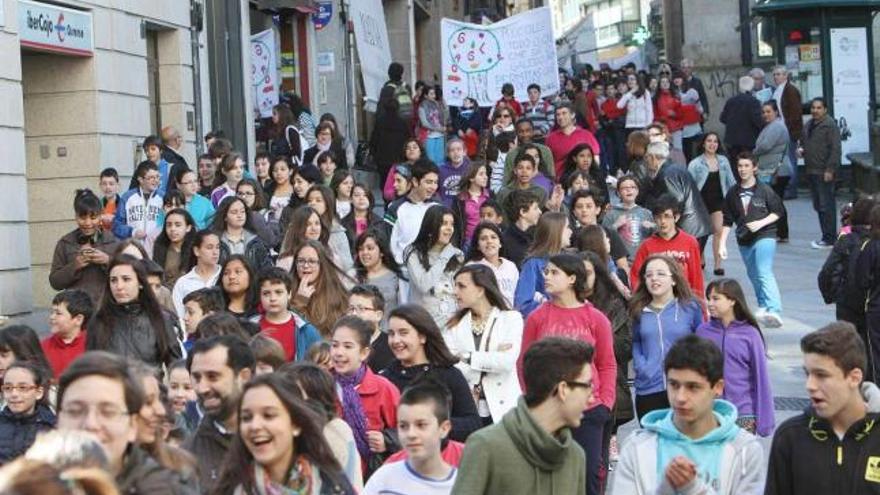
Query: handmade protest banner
(371, 35)
(479, 59)
(264, 75)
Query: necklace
(477, 328)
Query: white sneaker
(760, 314)
(772, 320)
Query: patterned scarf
(303, 479)
(353, 409)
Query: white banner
(478, 60)
(852, 92)
(264, 72)
(373, 49)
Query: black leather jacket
(675, 180)
(133, 336)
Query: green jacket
(516, 456)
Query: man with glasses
(367, 303)
(566, 136)
(695, 446)
(532, 447)
(97, 393)
(139, 208)
(789, 101)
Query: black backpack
(839, 270)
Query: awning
(768, 6)
(302, 6)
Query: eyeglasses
(359, 309)
(8, 389)
(187, 183)
(152, 177)
(306, 262)
(577, 384)
(78, 412)
(245, 193)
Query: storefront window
(803, 59)
(765, 31)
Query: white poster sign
(478, 60)
(373, 49)
(852, 87)
(264, 72)
(55, 29)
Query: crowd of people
(526, 279)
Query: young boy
(138, 212)
(586, 206)
(523, 212)
(405, 214)
(268, 353)
(294, 333)
(695, 446)
(367, 303)
(71, 310)
(109, 184)
(669, 240)
(153, 150)
(197, 305)
(491, 212)
(632, 222)
(834, 446)
(155, 276)
(423, 423)
(524, 171)
(453, 169)
(207, 169)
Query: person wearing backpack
(867, 276)
(288, 141)
(402, 92)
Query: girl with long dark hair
(552, 235)
(288, 140)
(361, 217)
(432, 260)
(319, 293)
(234, 225)
(298, 460)
(321, 199)
(238, 281)
(397, 182)
(486, 249)
(230, 174)
(305, 225)
(374, 264)
(20, 343)
(486, 336)
(342, 184)
(582, 158)
(638, 104)
(419, 350)
(204, 262)
(250, 191)
(280, 188)
(173, 247)
(474, 191)
(714, 177)
(129, 320)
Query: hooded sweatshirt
(653, 335)
(729, 460)
(518, 456)
(746, 382)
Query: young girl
(326, 163)
(258, 211)
(238, 282)
(234, 226)
(397, 183)
(593, 238)
(375, 265)
(231, 172)
(280, 189)
(568, 314)
(419, 350)
(20, 343)
(361, 217)
(181, 394)
(736, 332)
(552, 235)
(198, 206)
(486, 248)
(474, 189)
(305, 225)
(319, 293)
(755, 208)
(369, 401)
(321, 199)
(432, 121)
(173, 247)
(204, 261)
(582, 158)
(342, 184)
(27, 413)
(432, 260)
(662, 310)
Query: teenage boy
(71, 310)
(422, 424)
(409, 211)
(695, 447)
(456, 166)
(138, 212)
(671, 241)
(199, 304)
(97, 393)
(538, 111)
(566, 136)
(294, 333)
(367, 303)
(834, 446)
(109, 185)
(491, 212)
(586, 205)
(207, 169)
(523, 212)
(525, 134)
(153, 150)
(525, 170)
(198, 206)
(219, 367)
(632, 222)
(532, 448)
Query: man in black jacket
(676, 181)
(219, 366)
(741, 117)
(834, 446)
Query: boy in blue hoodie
(695, 447)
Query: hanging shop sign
(55, 29)
(322, 17)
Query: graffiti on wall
(722, 83)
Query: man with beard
(219, 366)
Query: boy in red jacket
(668, 239)
(71, 310)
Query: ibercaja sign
(55, 29)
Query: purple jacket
(449, 181)
(746, 382)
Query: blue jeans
(824, 204)
(759, 265)
(435, 149)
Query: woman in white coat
(486, 336)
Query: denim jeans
(435, 148)
(759, 265)
(823, 202)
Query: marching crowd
(525, 279)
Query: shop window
(765, 38)
(803, 59)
